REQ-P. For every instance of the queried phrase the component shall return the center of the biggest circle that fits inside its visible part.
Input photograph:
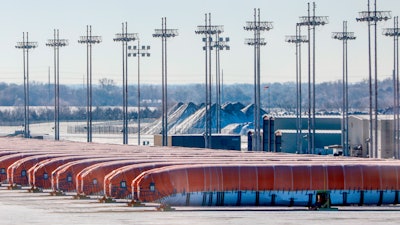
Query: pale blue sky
(185, 55)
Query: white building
(359, 135)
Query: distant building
(327, 133)
(359, 135)
(218, 141)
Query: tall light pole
(25, 45)
(56, 43)
(89, 40)
(219, 44)
(138, 51)
(372, 18)
(208, 31)
(395, 33)
(345, 36)
(125, 37)
(311, 21)
(164, 34)
(257, 26)
(298, 39)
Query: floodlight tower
(219, 44)
(138, 51)
(257, 26)
(25, 45)
(298, 39)
(395, 33)
(164, 34)
(56, 43)
(125, 37)
(372, 18)
(208, 31)
(89, 40)
(311, 21)
(345, 36)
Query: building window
(123, 184)
(94, 181)
(23, 173)
(152, 187)
(45, 176)
(2, 171)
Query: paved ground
(21, 207)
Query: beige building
(359, 136)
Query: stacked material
(196, 177)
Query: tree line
(107, 96)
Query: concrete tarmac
(22, 207)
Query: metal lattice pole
(372, 18)
(311, 22)
(25, 45)
(395, 33)
(257, 26)
(125, 37)
(208, 31)
(138, 51)
(56, 43)
(89, 40)
(345, 36)
(298, 39)
(219, 44)
(164, 34)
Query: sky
(185, 54)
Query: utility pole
(395, 33)
(164, 34)
(298, 39)
(372, 18)
(125, 37)
(89, 40)
(345, 36)
(257, 26)
(311, 21)
(56, 43)
(25, 45)
(138, 51)
(208, 30)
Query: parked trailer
(7, 160)
(40, 174)
(64, 177)
(90, 181)
(202, 177)
(117, 184)
(17, 173)
(269, 185)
